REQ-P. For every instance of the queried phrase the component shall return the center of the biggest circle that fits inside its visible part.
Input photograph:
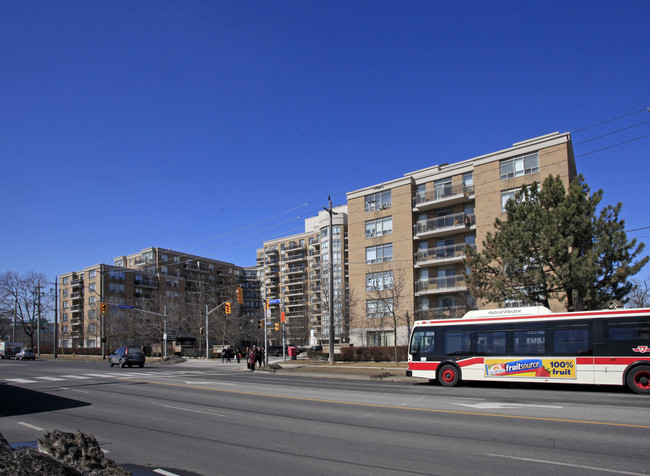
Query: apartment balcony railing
(449, 312)
(269, 261)
(444, 224)
(294, 246)
(441, 285)
(76, 295)
(77, 282)
(293, 257)
(294, 302)
(76, 308)
(441, 254)
(447, 194)
(271, 250)
(295, 270)
(288, 280)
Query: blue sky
(211, 126)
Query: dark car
(123, 356)
(276, 351)
(25, 354)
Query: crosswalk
(107, 375)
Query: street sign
(268, 313)
(274, 301)
(122, 306)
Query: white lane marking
(99, 375)
(193, 411)
(497, 405)
(19, 380)
(591, 468)
(164, 473)
(50, 379)
(78, 377)
(31, 426)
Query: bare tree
(385, 292)
(640, 294)
(24, 295)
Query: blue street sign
(274, 301)
(122, 306)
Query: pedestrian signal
(227, 307)
(260, 324)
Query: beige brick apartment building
(406, 237)
(152, 279)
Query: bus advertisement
(608, 347)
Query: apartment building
(152, 279)
(407, 236)
(296, 273)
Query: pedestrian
(223, 355)
(228, 355)
(251, 359)
(258, 356)
(237, 354)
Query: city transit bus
(533, 344)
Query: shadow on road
(21, 401)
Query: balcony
(444, 225)
(273, 250)
(75, 283)
(441, 255)
(450, 312)
(295, 270)
(294, 303)
(446, 195)
(445, 284)
(293, 257)
(76, 295)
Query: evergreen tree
(554, 245)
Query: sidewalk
(385, 371)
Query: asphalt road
(218, 419)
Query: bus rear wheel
(638, 379)
(448, 375)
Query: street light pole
(331, 284)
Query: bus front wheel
(448, 375)
(638, 379)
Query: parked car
(123, 356)
(276, 351)
(25, 354)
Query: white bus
(533, 344)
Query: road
(215, 419)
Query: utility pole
(56, 314)
(331, 284)
(38, 322)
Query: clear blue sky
(211, 126)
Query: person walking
(251, 359)
(237, 354)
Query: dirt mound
(60, 453)
(172, 359)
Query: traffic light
(240, 295)
(277, 326)
(104, 308)
(227, 307)
(260, 324)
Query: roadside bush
(374, 354)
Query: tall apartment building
(296, 272)
(406, 237)
(150, 279)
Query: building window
(92, 274)
(66, 280)
(518, 166)
(92, 300)
(507, 195)
(379, 308)
(65, 304)
(379, 281)
(379, 227)
(65, 317)
(92, 287)
(116, 274)
(116, 287)
(378, 201)
(65, 293)
(379, 253)
(380, 338)
(164, 257)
